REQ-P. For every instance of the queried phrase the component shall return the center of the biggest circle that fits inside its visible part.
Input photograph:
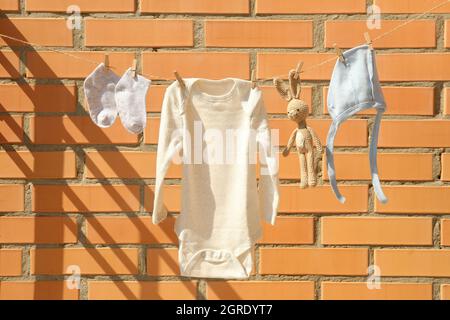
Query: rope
(93, 62)
(408, 21)
(315, 66)
(411, 20)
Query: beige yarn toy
(309, 147)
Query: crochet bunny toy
(304, 138)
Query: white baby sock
(130, 100)
(99, 88)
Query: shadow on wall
(43, 266)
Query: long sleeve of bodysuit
(170, 143)
(268, 158)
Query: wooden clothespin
(253, 79)
(298, 69)
(368, 40)
(134, 68)
(180, 80)
(339, 53)
(106, 62)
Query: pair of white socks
(109, 95)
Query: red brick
(162, 262)
(416, 199)
(195, 6)
(11, 197)
(38, 230)
(414, 133)
(155, 98)
(445, 232)
(172, 198)
(77, 130)
(413, 262)
(37, 165)
(408, 101)
(401, 101)
(310, 6)
(52, 65)
(376, 231)
(259, 33)
(446, 34)
(215, 65)
(37, 290)
(84, 5)
(391, 166)
(288, 167)
(322, 200)
(130, 33)
(446, 94)
(9, 5)
(85, 198)
(142, 290)
(289, 230)
(9, 64)
(91, 261)
(37, 98)
(445, 161)
(323, 261)
(11, 129)
(445, 291)
(414, 66)
(151, 131)
(260, 290)
(10, 262)
(125, 230)
(387, 291)
(411, 6)
(125, 164)
(348, 34)
(44, 31)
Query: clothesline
(315, 66)
(408, 21)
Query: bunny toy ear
(282, 89)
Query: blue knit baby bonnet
(354, 86)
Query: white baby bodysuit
(213, 127)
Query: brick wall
(74, 194)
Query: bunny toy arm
(290, 143)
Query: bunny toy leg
(309, 151)
(303, 170)
(300, 144)
(312, 181)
